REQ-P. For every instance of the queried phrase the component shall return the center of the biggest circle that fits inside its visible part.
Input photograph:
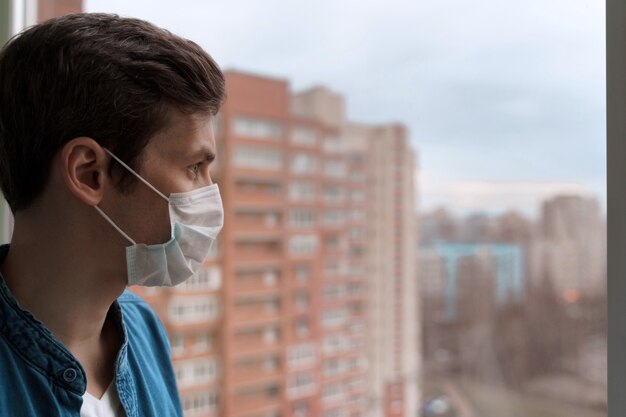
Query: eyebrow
(205, 154)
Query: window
(200, 403)
(335, 342)
(302, 135)
(177, 344)
(302, 191)
(196, 309)
(334, 194)
(301, 355)
(303, 163)
(335, 169)
(335, 366)
(302, 301)
(302, 273)
(302, 328)
(257, 128)
(270, 278)
(301, 409)
(356, 232)
(258, 158)
(334, 218)
(207, 278)
(333, 393)
(202, 342)
(301, 384)
(332, 145)
(357, 196)
(357, 214)
(334, 317)
(303, 244)
(195, 372)
(270, 335)
(302, 218)
(334, 291)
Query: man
(105, 145)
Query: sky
(504, 100)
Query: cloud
(494, 196)
(495, 90)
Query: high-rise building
(283, 308)
(316, 313)
(570, 251)
(393, 299)
(47, 9)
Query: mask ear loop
(135, 174)
(114, 225)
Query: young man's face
(175, 160)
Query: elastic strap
(135, 174)
(114, 225)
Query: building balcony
(255, 375)
(254, 343)
(255, 407)
(253, 316)
(258, 253)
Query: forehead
(184, 134)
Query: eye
(195, 168)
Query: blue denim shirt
(40, 377)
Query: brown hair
(109, 78)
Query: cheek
(151, 220)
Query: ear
(84, 169)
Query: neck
(62, 283)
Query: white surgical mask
(196, 218)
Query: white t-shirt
(107, 406)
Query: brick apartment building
(309, 306)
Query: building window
(202, 342)
(335, 366)
(332, 144)
(334, 218)
(302, 301)
(335, 317)
(303, 244)
(209, 279)
(270, 335)
(301, 409)
(188, 310)
(258, 158)
(336, 342)
(302, 218)
(270, 278)
(302, 191)
(200, 403)
(334, 194)
(302, 328)
(303, 163)
(177, 344)
(257, 128)
(302, 135)
(196, 372)
(357, 215)
(302, 273)
(333, 392)
(357, 196)
(301, 355)
(301, 384)
(335, 169)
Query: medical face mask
(196, 218)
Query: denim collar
(34, 343)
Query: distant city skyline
(504, 101)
